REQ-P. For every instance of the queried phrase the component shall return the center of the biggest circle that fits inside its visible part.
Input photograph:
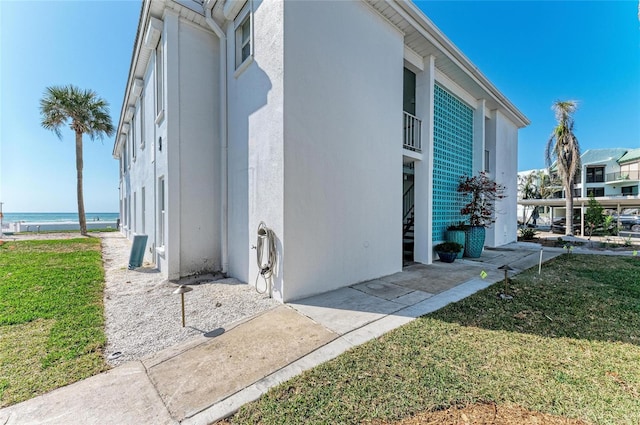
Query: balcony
(412, 128)
(623, 176)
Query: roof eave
(144, 12)
(472, 70)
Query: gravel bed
(143, 316)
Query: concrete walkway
(201, 382)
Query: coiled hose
(267, 238)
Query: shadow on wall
(248, 95)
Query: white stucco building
(343, 126)
(611, 175)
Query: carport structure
(612, 202)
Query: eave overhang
(424, 38)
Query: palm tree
(563, 147)
(86, 113)
(528, 188)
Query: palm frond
(83, 110)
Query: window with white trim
(244, 36)
(159, 78)
(132, 134)
(142, 119)
(487, 162)
(161, 211)
(144, 211)
(135, 212)
(125, 156)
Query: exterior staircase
(408, 218)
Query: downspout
(208, 7)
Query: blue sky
(534, 52)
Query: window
(141, 119)
(595, 191)
(129, 212)
(125, 215)
(409, 92)
(161, 211)
(159, 78)
(243, 36)
(132, 134)
(595, 175)
(135, 212)
(125, 157)
(629, 190)
(486, 161)
(144, 210)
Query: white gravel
(143, 316)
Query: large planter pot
(458, 236)
(474, 242)
(447, 257)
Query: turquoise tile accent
(452, 157)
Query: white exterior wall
(147, 157)
(423, 177)
(314, 147)
(255, 153)
(610, 166)
(343, 146)
(182, 145)
(505, 229)
(198, 103)
(139, 173)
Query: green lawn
(567, 344)
(51, 315)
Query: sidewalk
(202, 381)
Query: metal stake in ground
(506, 269)
(182, 289)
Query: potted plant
(448, 251)
(457, 233)
(480, 192)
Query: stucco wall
(255, 156)
(343, 146)
(140, 173)
(505, 228)
(199, 142)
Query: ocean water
(56, 217)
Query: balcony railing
(623, 175)
(412, 128)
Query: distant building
(343, 126)
(611, 175)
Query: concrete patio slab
(123, 395)
(438, 277)
(413, 297)
(345, 309)
(382, 289)
(201, 376)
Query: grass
(51, 315)
(103, 230)
(568, 344)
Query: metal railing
(407, 202)
(407, 210)
(623, 175)
(412, 128)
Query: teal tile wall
(452, 157)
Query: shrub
(528, 233)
